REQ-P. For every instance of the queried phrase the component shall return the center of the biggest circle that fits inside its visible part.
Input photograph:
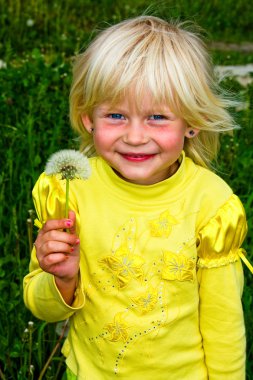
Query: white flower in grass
(68, 164)
(30, 22)
(30, 325)
(3, 64)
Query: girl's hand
(58, 253)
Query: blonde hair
(168, 60)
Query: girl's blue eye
(157, 117)
(117, 116)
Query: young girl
(149, 274)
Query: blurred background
(37, 42)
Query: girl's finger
(52, 247)
(53, 259)
(57, 224)
(72, 217)
(60, 236)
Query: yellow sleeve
(220, 277)
(41, 294)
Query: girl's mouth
(137, 157)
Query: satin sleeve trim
(219, 242)
(50, 198)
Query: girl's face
(142, 144)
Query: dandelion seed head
(30, 324)
(3, 64)
(69, 164)
(30, 22)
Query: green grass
(227, 58)
(63, 26)
(34, 123)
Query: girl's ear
(191, 132)
(87, 123)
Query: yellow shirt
(160, 287)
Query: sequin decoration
(136, 274)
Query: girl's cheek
(172, 140)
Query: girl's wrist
(67, 288)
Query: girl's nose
(135, 134)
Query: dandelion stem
(2, 375)
(67, 199)
(30, 233)
(56, 347)
(30, 351)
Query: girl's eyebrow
(112, 109)
(160, 111)
(108, 107)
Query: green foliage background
(37, 41)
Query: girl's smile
(137, 157)
(141, 144)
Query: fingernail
(68, 223)
(77, 241)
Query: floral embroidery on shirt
(118, 329)
(162, 226)
(136, 272)
(125, 237)
(146, 301)
(177, 267)
(124, 265)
